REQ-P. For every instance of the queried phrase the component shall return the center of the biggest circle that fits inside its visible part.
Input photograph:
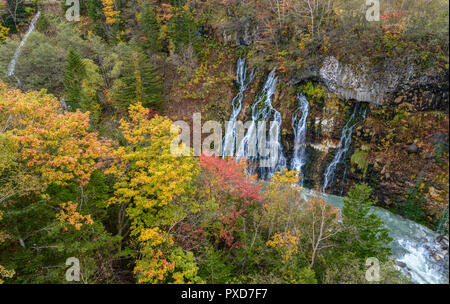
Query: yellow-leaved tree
(300, 226)
(111, 15)
(150, 184)
(42, 146)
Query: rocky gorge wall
(403, 142)
(400, 150)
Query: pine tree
(139, 83)
(150, 29)
(182, 28)
(75, 71)
(364, 234)
(95, 12)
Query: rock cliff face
(385, 84)
(407, 109)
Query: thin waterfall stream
(251, 146)
(244, 80)
(299, 125)
(345, 142)
(18, 52)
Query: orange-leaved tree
(48, 158)
(231, 195)
(111, 14)
(43, 144)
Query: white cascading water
(300, 128)
(243, 80)
(263, 111)
(12, 64)
(346, 141)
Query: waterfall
(243, 80)
(443, 223)
(300, 127)
(250, 147)
(12, 64)
(345, 142)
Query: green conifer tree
(364, 233)
(150, 29)
(182, 28)
(139, 82)
(75, 71)
(95, 12)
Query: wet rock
(429, 156)
(443, 241)
(438, 257)
(412, 148)
(401, 264)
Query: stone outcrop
(385, 84)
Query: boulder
(412, 148)
(438, 257)
(401, 264)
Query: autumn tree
(220, 227)
(46, 188)
(149, 183)
(45, 143)
(298, 223)
(321, 224)
(232, 195)
(109, 9)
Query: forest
(90, 92)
